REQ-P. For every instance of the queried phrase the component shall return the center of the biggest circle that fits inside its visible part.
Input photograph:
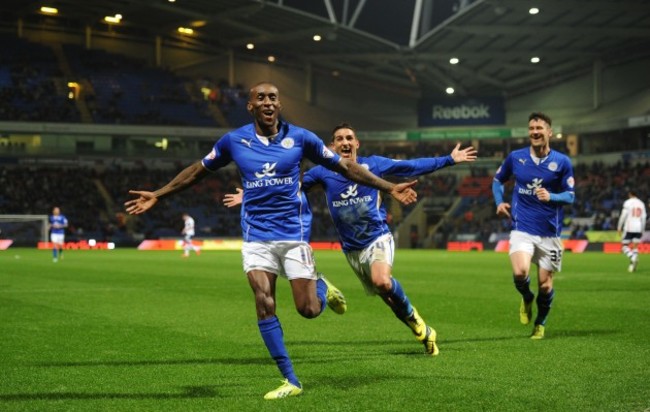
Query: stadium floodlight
(49, 10)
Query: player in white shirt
(188, 233)
(631, 225)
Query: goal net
(24, 230)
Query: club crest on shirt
(552, 166)
(287, 143)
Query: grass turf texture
(129, 330)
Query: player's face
(56, 211)
(345, 143)
(264, 105)
(539, 133)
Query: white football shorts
(292, 260)
(57, 237)
(631, 237)
(381, 250)
(546, 252)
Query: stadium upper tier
(68, 83)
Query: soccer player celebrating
(58, 223)
(188, 234)
(631, 224)
(360, 219)
(268, 153)
(543, 185)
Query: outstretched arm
(402, 192)
(146, 200)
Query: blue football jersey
(555, 174)
(358, 212)
(272, 205)
(59, 220)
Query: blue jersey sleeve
(220, 155)
(316, 151)
(505, 170)
(567, 196)
(497, 191)
(310, 179)
(413, 167)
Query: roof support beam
(330, 11)
(356, 14)
(415, 24)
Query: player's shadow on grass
(553, 334)
(572, 333)
(188, 392)
(207, 361)
(352, 350)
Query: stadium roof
(377, 41)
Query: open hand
(404, 193)
(145, 201)
(467, 154)
(233, 199)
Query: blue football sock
(273, 337)
(398, 301)
(321, 292)
(544, 301)
(523, 287)
(54, 255)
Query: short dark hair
(343, 125)
(540, 116)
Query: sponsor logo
(537, 183)
(327, 153)
(287, 143)
(349, 197)
(268, 170)
(531, 187)
(522, 161)
(247, 142)
(481, 111)
(352, 201)
(571, 182)
(352, 191)
(276, 181)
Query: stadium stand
(31, 84)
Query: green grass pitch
(128, 330)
